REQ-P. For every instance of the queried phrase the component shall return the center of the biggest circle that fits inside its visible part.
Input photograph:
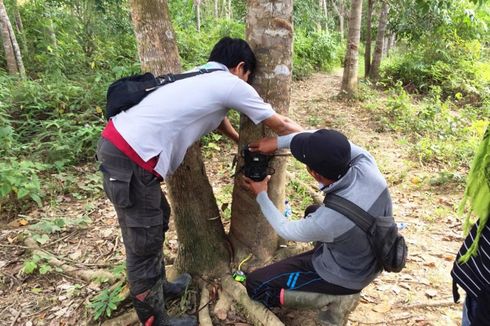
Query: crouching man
(342, 263)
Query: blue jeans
(469, 310)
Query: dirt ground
(419, 295)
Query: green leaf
(29, 267)
(45, 268)
(42, 239)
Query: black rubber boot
(176, 289)
(150, 308)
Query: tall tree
(19, 26)
(198, 14)
(15, 65)
(367, 53)
(378, 50)
(339, 7)
(349, 78)
(202, 241)
(270, 34)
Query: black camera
(256, 165)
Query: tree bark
(367, 53)
(202, 242)
(15, 65)
(378, 50)
(349, 78)
(198, 15)
(340, 13)
(7, 42)
(270, 33)
(20, 28)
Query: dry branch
(256, 311)
(430, 304)
(86, 275)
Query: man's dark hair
(231, 51)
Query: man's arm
(228, 130)
(303, 230)
(282, 125)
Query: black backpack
(388, 245)
(126, 92)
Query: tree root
(86, 275)
(204, 318)
(257, 312)
(128, 318)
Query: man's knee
(251, 283)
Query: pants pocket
(117, 185)
(144, 241)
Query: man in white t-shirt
(145, 144)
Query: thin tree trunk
(340, 13)
(270, 33)
(391, 40)
(216, 8)
(378, 50)
(52, 34)
(7, 42)
(349, 78)
(367, 53)
(203, 248)
(19, 26)
(325, 12)
(198, 15)
(13, 56)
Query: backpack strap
(170, 78)
(359, 216)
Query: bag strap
(170, 78)
(359, 216)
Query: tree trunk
(216, 8)
(198, 15)
(349, 78)
(367, 53)
(202, 242)
(270, 33)
(325, 12)
(52, 34)
(19, 26)
(203, 246)
(378, 50)
(340, 13)
(391, 40)
(13, 56)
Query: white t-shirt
(169, 120)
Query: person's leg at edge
(143, 214)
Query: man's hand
(257, 187)
(266, 145)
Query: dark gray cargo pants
(143, 213)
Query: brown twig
(429, 304)
(15, 318)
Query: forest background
(433, 59)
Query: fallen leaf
(382, 307)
